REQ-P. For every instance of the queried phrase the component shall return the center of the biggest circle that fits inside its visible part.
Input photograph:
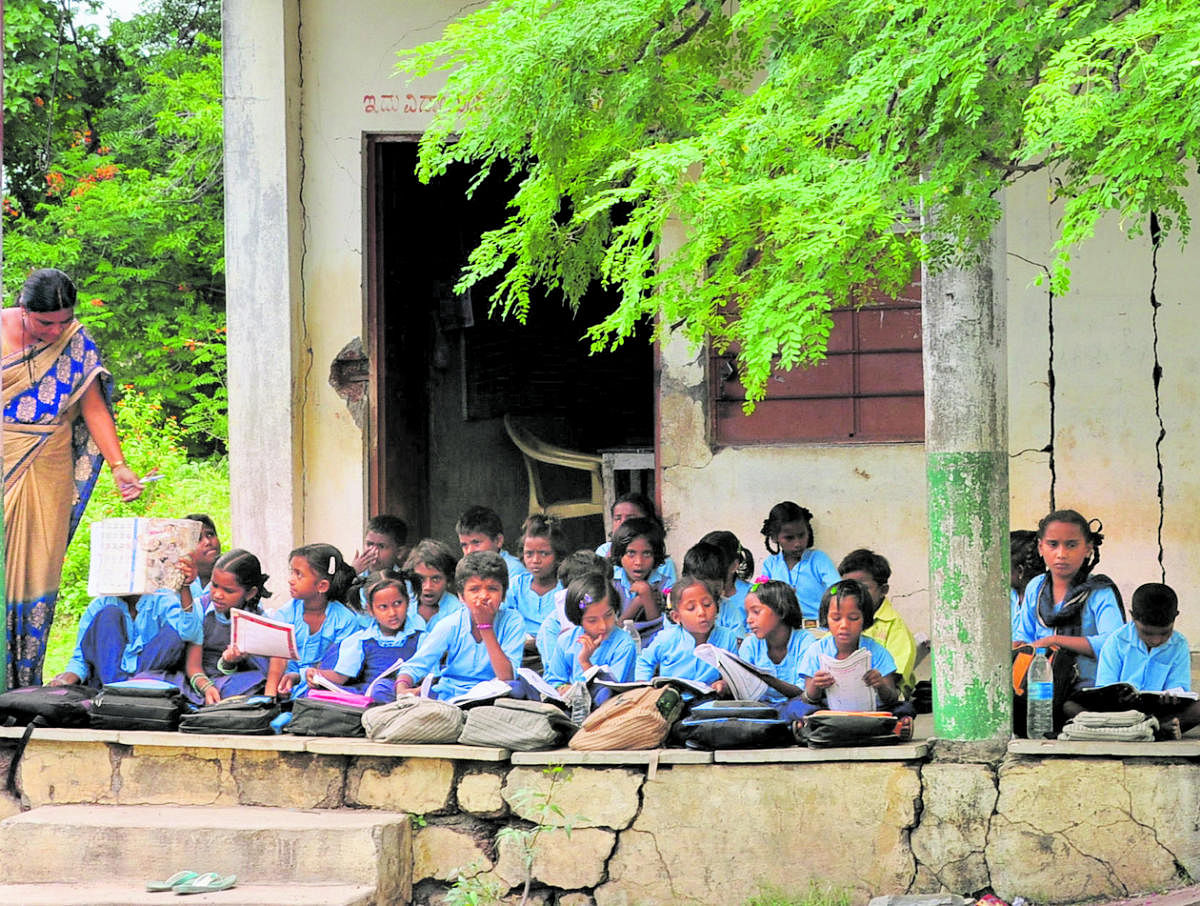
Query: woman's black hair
(781, 598)
(245, 568)
(586, 590)
(729, 542)
(781, 514)
(1024, 560)
(327, 562)
(638, 527)
(399, 579)
(848, 588)
(47, 289)
(1093, 536)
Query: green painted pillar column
(966, 455)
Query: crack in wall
(305, 334)
(1155, 305)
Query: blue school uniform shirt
(515, 566)
(154, 611)
(618, 652)
(340, 623)
(449, 604)
(466, 661)
(662, 576)
(810, 660)
(732, 613)
(1126, 659)
(810, 577)
(754, 650)
(622, 585)
(556, 621)
(532, 607)
(1014, 609)
(350, 652)
(1101, 617)
(672, 652)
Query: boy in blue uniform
(480, 529)
(385, 545)
(1150, 655)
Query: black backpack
(733, 725)
(137, 705)
(834, 729)
(238, 715)
(42, 706)
(313, 717)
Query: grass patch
(818, 894)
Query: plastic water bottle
(579, 701)
(1039, 700)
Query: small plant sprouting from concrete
(818, 894)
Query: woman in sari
(57, 428)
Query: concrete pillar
(966, 453)
(263, 251)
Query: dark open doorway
(443, 374)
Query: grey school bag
(517, 725)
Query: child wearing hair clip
(776, 642)
(788, 535)
(318, 579)
(693, 621)
(393, 636)
(593, 637)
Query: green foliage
(797, 144)
(128, 199)
(151, 440)
(818, 894)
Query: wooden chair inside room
(539, 454)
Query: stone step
(133, 844)
(112, 893)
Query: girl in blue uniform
(776, 643)
(846, 610)
(393, 635)
(531, 594)
(787, 533)
(638, 548)
(480, 641)
(693, 610)
(215, 668)
(592, 637)
(318, 579)
(636, 505)
(433, 563)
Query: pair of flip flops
(193, 882)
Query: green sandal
(207, 883)
(180, 877)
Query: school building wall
(307, 81)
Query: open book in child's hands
(849, 691)
(252, 633)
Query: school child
(480, 529)
(1150, 655)
(203, 557)
(572, 567)
(214, 668)
(847, 610)
(720, 557)
(531, 594)
(433, 564)
(693, 612)
(776, 642)
(1067, 606)
(872, 572)
(594, 638)
(318, 579)
(1024, 563)
(385, 545)
(788, 535)
(636, 505)
(393, 635)
(119, 637)
(638, 548)
(477, 642)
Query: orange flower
(38, 102)
(97, 302)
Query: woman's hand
(127, 482)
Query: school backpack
(733, 724)
(238, 715)
(414, 720)
(638, 719)
(835, 729)
(137, 704)
(42, 706)
(314, 717)
(516, 725)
